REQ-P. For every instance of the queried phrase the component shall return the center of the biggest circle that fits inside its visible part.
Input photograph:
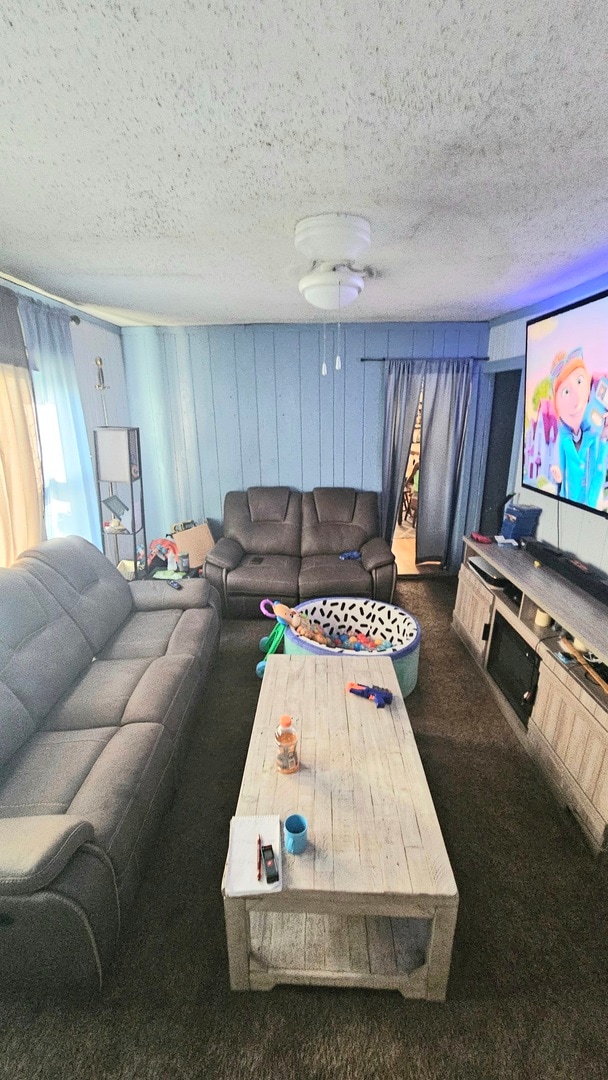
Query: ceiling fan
(333, 242)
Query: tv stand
(567, 732)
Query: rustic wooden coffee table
(372, 901)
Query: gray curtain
(445, 405)
(12, 345)
(446, 438)
(403, 385)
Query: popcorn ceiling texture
(156, 156)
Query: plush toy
(286, 616)
(300, 624)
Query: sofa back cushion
(338, 519)
(84, 583)
(42, 652)
(264, 520)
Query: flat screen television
(565, 453)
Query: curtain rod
(416, 359)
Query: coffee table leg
(440, 952)
(237, 937)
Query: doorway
(404, 537)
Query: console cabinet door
(577, 744)
(473, 612)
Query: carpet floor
(527, 992)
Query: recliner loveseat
(99, 681)
(286, 545)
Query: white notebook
(242, 862)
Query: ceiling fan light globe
(331, 290)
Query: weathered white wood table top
(372, 824)
(372, 901)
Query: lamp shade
(331, 287)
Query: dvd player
(486, 571)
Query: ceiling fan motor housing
(333, 242)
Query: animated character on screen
(583, 431)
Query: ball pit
(357, 617)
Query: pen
(259, 857)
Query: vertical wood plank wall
(227, 407)
(578, 531)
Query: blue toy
(378, 694)
(350, 555)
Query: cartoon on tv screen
(566, 411)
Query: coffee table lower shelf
(315, 949)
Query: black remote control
(270, 866)
(174, 584)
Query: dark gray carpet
(527, 993)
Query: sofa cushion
(84, 582)
(42, 652)
(338, 519)
(144, 634)
(108, 777)
(264, 520)
(164, 693)
(99, 698)
(120, 788)
(265, 575)
(45, 775)
(196, 633)
(328, 575)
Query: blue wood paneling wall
(227, 407)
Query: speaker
(117, 451)
(588, 578)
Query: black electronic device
(174, 585)
(513, 665)
(271, 869)
(586, 577)
(486, 571)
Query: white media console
(567, 729)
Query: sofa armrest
(34, 850)
(154, 595)
(376, 553)
(226, 554)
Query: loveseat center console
(511, 613)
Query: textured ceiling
(157, 155)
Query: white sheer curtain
(20, 475)
(69, 485)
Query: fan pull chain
(338, 360)
(324, 365)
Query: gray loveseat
(286, 545)
(99, 681)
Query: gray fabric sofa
(99, 683)
(286, 545)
